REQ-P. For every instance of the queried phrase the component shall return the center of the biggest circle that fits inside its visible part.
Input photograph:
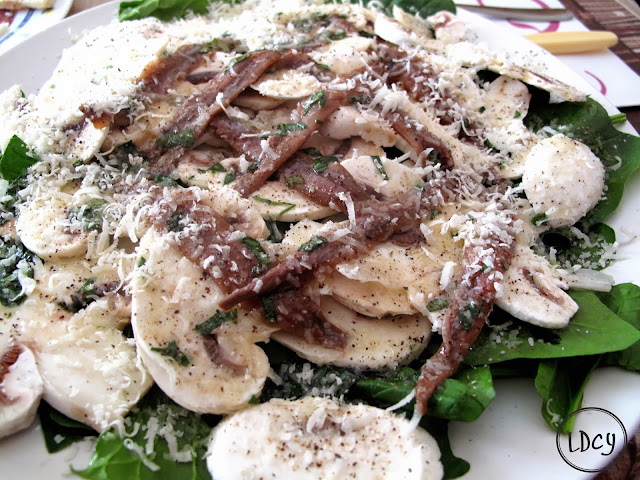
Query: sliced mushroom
(287, 84)
(532, 292)
(208, 373)
(20, 387)
(372, 343)
(44, 227)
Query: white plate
(26, 23)
(510, 440)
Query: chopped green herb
(318, 98)
(166, 181)
(337, 35)
(254, 166)
(312, 244)
(215, 45)
(319, 122)
(172, 351)
(285, 129)
(89, 215)
(269, 308)
(181, 138)
(268, 201)
(82, 297)
(482, 109)
(295, 180)
(518, 114)
(365, 34)
(253, 400)
(228, 178)
(364, 99)
(490, 146)
(142, 261)
(236, 60)
(15, 262)
(323, 66)
(437, 304)
(467, 315)
(378, 164)
(210, 324)
(215, 168)
(539, 218)
(173, 222)
(255, 247)
(322, 163)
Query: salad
(271, 205)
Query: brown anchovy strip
(8, 359)
(472, 305)
(196, 112)
(296, 313)
(161, 75)
(373, 225)
(280, 148)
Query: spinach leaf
(453, 466)
(572, 249)
(593, 330)
(624, 301)
(561, 383)
(58, 430)
(15, 160)
(589, 123)
(462, 397)
(126, 459)
(164, 10)
(16, 264)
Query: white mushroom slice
(347, 122)
(392, 31)
(361, 148)
(412, 22)
(255, 101)
(238, 211)
(91, 371)
(560, 92)
(287, 84)
(274, 201)
(316, 438)
(344, 56)
(532, 292)
(372, 343)
(20, 388)
(373, 170)
(563, 180)
(44, 228)
(368, 298)
(170, 297)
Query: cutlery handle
(574, 42)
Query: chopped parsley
(236, 60)
(215, 45)
(312, 244)
(181, 138)
(16, 262)
(228, 178)
(322, 163)
(316, 98)
(518, 114)
(467, 315)
(210, 324)
(295, 180)
(255, 247)
(85, 295)
(364, 99)
(173, 222)
(285, 129)
(269, 308)
(337, 35)
(89, 215)
(378, 164)
(174, 353)
(254, 166)
(437, 304)
(215, 168)
(288, 206)
(539, 218)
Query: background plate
(510, 440)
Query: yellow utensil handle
(574, 42)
